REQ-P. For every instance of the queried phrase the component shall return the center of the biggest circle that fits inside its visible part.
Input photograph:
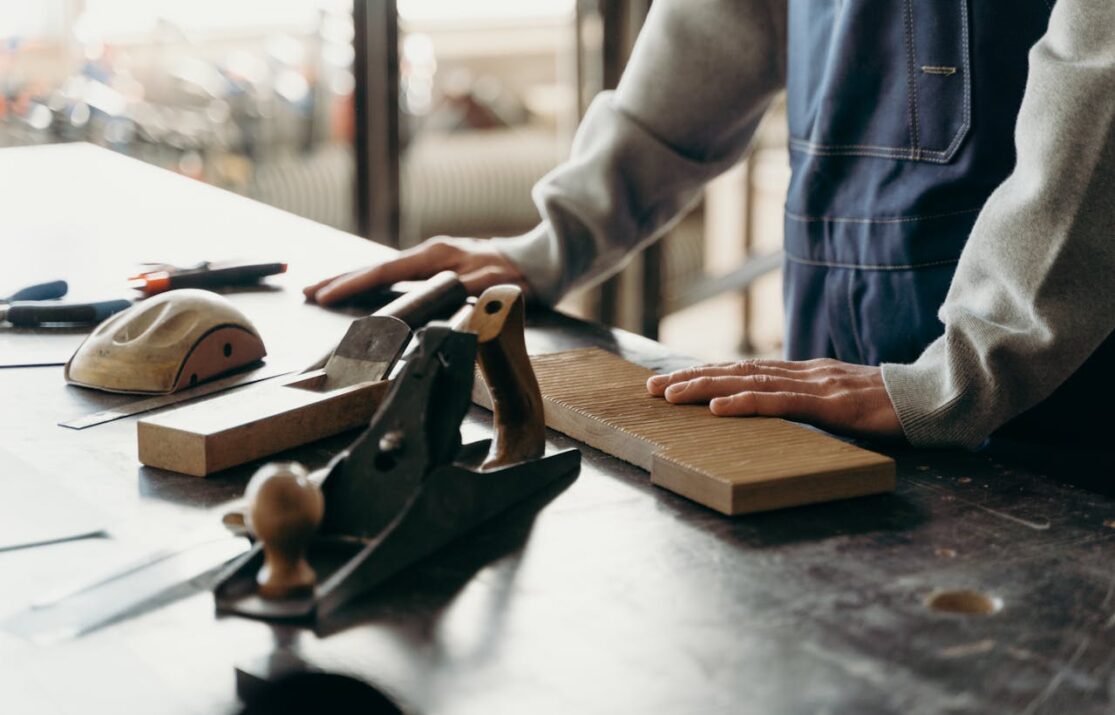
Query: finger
(791, 365)
(658, 384)
(818, 409)
(311, 290)
(703, 389)
(419, 265)
(480, 280)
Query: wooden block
(209, 436)
(733, 465)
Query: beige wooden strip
(732, 465)
(206, 437)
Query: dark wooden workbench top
(610, 596)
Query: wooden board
(206, 437)
(733, 465)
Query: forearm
(701, 76)
(1032, 296)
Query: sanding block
(167, 343)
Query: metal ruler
(155, 580)
(260, 374)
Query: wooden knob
(285, 508)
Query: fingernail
(658, 380)
(676, 389)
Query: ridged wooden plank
(732, 465)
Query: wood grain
(733, 465)
(206, 437)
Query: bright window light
(473, 11)
(135, 17)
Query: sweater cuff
(538, 257)
(929, 404)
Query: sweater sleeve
(1032, 296)
(701, 75)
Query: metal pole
(622, 20)
(377, 146)
(613, 58)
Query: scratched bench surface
(610, 595)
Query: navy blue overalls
(901, 117)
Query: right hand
(477, 262)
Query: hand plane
(406, 486)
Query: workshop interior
(259, 98)
(225, 496)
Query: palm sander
(167, 343)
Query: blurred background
(397, 120)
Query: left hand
(478, 264)
(834, 395)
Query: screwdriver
(40, 291)
(154, 282)
(23, 308)
(30, 314)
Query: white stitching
(929, 155)
(898, 219)
(936, 157)
(966, 57)
(806, 142)
(871, 267)
(911, 81)
(915, 154)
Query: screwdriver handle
(40, 291)
(32, 314)
(154, 282)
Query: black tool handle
(437, 298)
(29, 315)
(225, 276)
(40, 291)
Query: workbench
(606, 595)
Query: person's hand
(837, 396)
(477, 262)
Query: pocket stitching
(871, 266)
(912, 81)
(891, 219)
(915, 153)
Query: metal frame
(621, 21)
(377, 131)
(377, 140)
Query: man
(951, 216)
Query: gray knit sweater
(1034, 291)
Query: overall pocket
(883, 78)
